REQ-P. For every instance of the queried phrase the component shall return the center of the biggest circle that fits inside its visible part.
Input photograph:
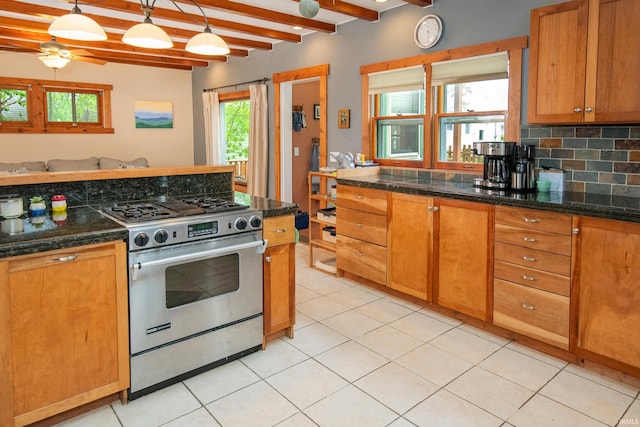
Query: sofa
(66, 165)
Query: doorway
(283, 102)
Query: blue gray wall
(357, 43)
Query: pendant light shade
(207, 43)
(147, 35)
(54, 61)
(308, 8)
(76, 26)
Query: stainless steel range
(195, 286)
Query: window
(426, 111)
(234, 128)
(38, 106)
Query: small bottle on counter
(58, 203)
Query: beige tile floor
(362, 358)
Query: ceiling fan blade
(80, 52)
(90, 60)
(17, 49)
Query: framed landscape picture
(154, 114)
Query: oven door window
(200, 280)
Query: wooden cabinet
(607, 289)
(462, 256)
(64, 330)
(583, 59)
(532, 273)
(279, 276)
(320, 197)
(361, 240)
(410, 245)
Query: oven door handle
(260, 245)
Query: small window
(44, 106)
(73, 107)
(14, 104)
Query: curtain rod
(262, 80)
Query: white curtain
(215, 150)
(258, 141)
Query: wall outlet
(296, 151)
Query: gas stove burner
(139, 212)
(213, 204)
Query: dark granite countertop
(269, 207)
(82, 226)
(597, 205)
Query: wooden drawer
(532, 312)
(362, 225)
(279, 230)
(362, 259)
(362, 199)
(531, 258)
(533, 239)
(531, 219)
(539, 279)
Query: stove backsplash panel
(129, 189)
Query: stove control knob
(255, 221)
(161, 236)
(141, 239)
(241, 223)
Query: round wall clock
(428, 31)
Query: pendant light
(76, 26)
(147, 34)
(206, 43)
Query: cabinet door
(279, 288)
(613, 77)
(606, 275)
(557, 63)
(409, 247)
(463, 257)
(69, 330)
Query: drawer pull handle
(267, 259)
(528, 258)
(529, 278)
(529, 239)
(282, 230)
(531, 220)
(528, 306)
(358, 253)
(67, 258)
(359, 225)
(359, 197)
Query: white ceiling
(248, 24)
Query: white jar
(11, 207)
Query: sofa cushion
(24, 167)
(58, 165)
(107, 163)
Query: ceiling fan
(53, 53)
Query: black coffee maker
(499, 160)
(523, 177)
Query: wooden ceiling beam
(121, 24)
(265, 14)
(349, 9)
(423, 3)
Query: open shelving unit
(320, 198)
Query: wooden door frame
(321, 72)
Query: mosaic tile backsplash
(597, 159)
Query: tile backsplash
(597, 159)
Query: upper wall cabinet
(584, 58)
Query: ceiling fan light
(308, 8)
(54, 61)
(207, 43)
(76, 26)
(147, 35)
